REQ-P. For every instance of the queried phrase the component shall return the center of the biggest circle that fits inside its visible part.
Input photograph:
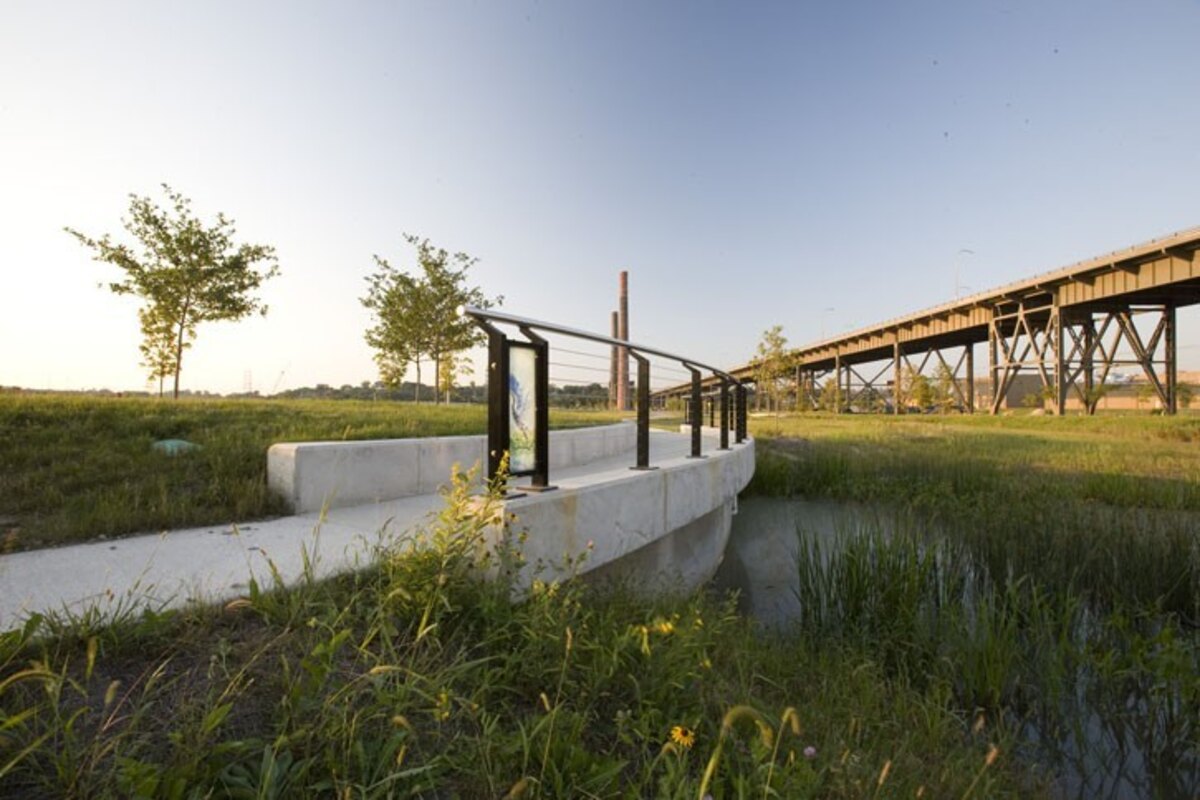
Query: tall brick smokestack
(623, 354)
(612, 363)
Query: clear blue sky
(749, 163)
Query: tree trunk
(178, 360)
(417, 391)
(437, 379)
(187, 306)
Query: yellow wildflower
(683, 736)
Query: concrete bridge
(1065, 326)
(665, 527)
(645, 506)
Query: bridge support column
(897, 378)
(1171, 359)
(993, 369)
(837, 383)
(1060, 365)
(1088, 364)
(970, 360)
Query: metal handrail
(550, 327)
(484, 319)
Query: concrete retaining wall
(665, 528)
(315, 475)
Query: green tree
(945, 390)
(186, 272)
(416, 316)
(1183, 395)
(917, 389)
(158, 345)
(828, 400)
(1093, 397)
(1145, 393)
(771, 366)
(453, 367)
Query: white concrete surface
(606, 517)
(623, 512)
(316, 475)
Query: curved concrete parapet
(660, 529)
(311, 476)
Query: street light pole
(824, 312)
(958, 286)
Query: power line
(579, 366)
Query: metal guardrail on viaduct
(1067, 326)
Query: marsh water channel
(1104, 706)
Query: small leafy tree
(186, 272)
(158, 345)
(828, 400)
(1183, 395)
(771, 366)
(1050, 399)
(1094, 395)
(1145, 393)
(453, 367)
(945, 394)
(917, 389)
(416, 316)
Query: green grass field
(1040, 580)
(73, 468)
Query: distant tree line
(571, 396)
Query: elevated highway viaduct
(1069, 327)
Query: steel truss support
(958, 374)
(1065, 347)
(875, 386)
(808, 390)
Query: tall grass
(417, 677)
(1046, 572)
(74, 467)
(1110, 515)
(1117, 692)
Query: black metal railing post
(724, 414)
(497, 429)
(697, 411)
(740, 422)
(501, 372)
(643, 411)
(540, 479)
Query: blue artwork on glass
(522, 410)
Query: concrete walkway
(216, 563)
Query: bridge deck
(1163, 271)
(216, 563)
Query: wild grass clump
(76, 467)
(1045, 571)
(422, 677)
(1081, 684)
(1087, 507)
